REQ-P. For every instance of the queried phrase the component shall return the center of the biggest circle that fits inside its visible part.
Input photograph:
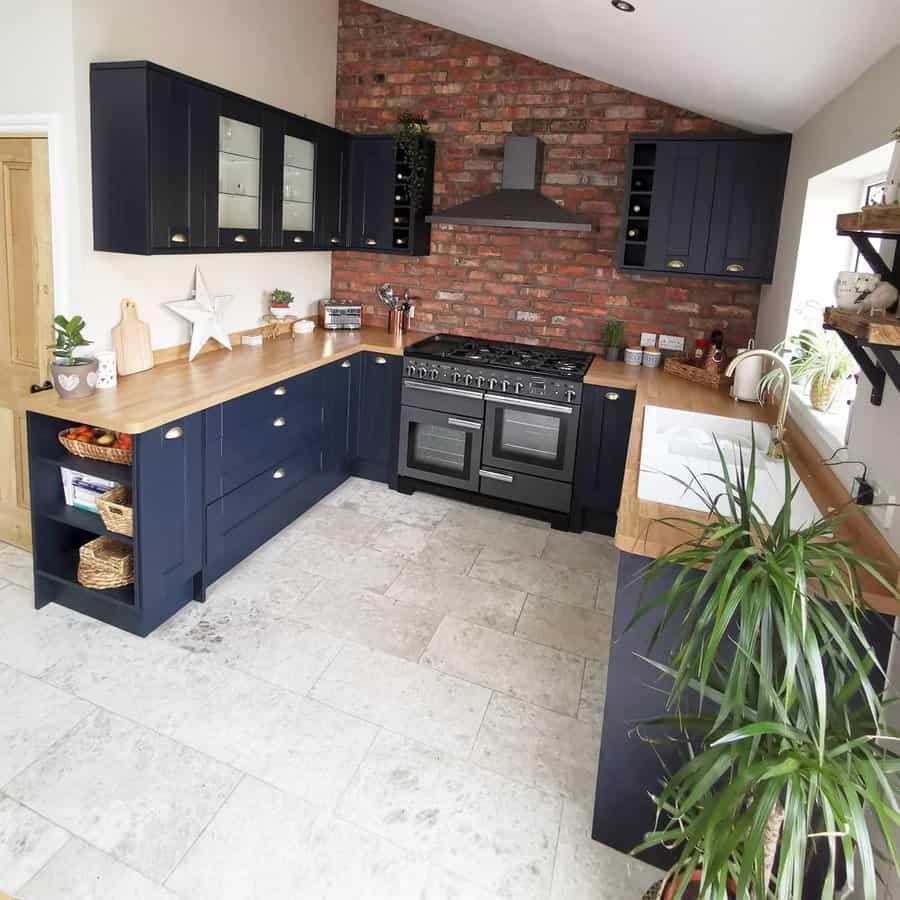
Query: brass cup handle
(346, 364)
(179, 238)
(371, 242)
(675, 264)
(279, 422)
(280, 391)
(279, 473)
(298, 239)
(380, 360)
(174, 433)
(611, 395)
(240, 238)
(735, 268)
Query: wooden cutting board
(131, 341)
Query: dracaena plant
(771, 688)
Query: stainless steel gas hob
(493, 418)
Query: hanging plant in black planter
(412, 140)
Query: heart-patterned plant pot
(74, 382)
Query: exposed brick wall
(525, 285)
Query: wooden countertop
(174, 389)
(639, 530)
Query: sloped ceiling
(759, 64)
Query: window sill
(826, 431)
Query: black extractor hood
(519, 203)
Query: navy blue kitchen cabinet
(703, 206)
(340, 417)
(603, 436)
(378, 417)
(183, 166)
(166, 478)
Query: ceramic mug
(106, 369)
(633, 356)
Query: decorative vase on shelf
(892, 182)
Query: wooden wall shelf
(863, 333)
(874, 220)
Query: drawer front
(268, 402)
(541, 492)
(243, 520)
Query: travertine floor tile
(583, 632)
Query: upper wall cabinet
(181, 166)
(704, 206)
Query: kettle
(747, 375)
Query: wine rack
(639, 202)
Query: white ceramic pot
(633, 356)
(652, 358)
(280, 312)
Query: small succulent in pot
(613, 334)
(73, 376)
(280, 304)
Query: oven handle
(496, 476)
(464, 423)
(440, 389)
(529, 404)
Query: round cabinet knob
(278, 473)
(279, 422)
(280, 391)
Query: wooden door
(680, 207)
(26, 313)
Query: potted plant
(781, 711)
(412, 142)
(72, 376)
(280, 303)
(817, 359)
(613, 333)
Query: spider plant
(771, 688)
(817, 359)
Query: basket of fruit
(116, 511)
(105, 563)
(97, 443)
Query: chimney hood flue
(519, 203)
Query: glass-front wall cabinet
(240, 180)
(298, 191)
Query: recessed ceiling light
(623, 5)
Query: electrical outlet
(648, 339)
(671, 342)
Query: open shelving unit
(640, 195)
(876, 333)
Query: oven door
(440, 447)
(534, 437)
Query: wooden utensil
(131, 341)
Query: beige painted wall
(281, 51)
(856, 122)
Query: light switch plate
(671, 342)
(648, 339)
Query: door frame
(50, 125)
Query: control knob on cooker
(411, 369)
(519, 387)
(435, 374)
(504, 386)
(468, 379)
(423, 371)
(455, 376)
(480, 381)
(492, 384)
(571, 394)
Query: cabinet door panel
(603, 436)
(241, 167)
(747, 205)
(332, 177)
(372, 194)
(379, 417)
(680, 208)
(340, 388)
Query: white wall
(280, 51)
(856, 122)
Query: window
(873, 195)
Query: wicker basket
(95, 451)
(115, 509)
(105, 563)
(681, 369)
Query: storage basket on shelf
(105, 563)
(116, 511)
(681, 369)
(86, 450)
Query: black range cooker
(494, 418)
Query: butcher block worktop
(639, 529)
(174, 389)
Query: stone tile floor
(397, 697)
